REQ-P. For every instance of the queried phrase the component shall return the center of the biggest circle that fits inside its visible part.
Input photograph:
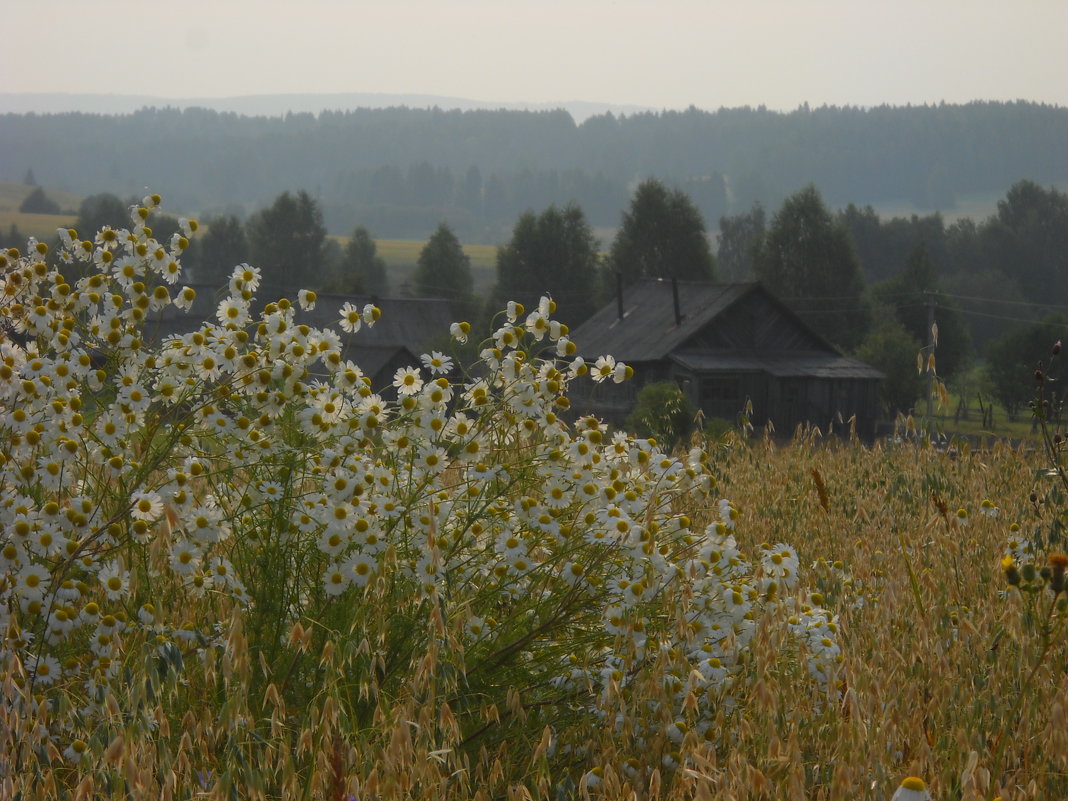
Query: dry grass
(402, 256)
(42, 226)
(12, 194)
(937, 654)
(944, 675)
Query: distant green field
(402, 255)
(12, 195)
(977, 206)
(42, 226)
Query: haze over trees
(911, 294)
(360, 269)
(866, 282)
(37, 202)
(1016, 354)
(287, 242)
(444, 270)
(101, 210)
(222, 247)
(808, 259)
(554, 252)
(892, 349)
(662, 235)
(401, 171)
(739, 238)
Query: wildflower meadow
(230, 569)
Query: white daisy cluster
(723, 599)
(253, 435)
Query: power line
(975, 313)
(1004, 301)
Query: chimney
(619, 293)
(675, 299)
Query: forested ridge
(401, 171)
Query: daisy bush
(229, 565)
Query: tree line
(403, 170)
(870, 286)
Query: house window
(721, 388)
(791, 390)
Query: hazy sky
(664, 54)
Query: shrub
(230, 540)
(664, 413)
(37, 202)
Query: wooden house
(728, 347)
(407, 328)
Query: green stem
(912, 576)
(1025, 688)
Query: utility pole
(932, 342)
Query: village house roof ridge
(407, 327)
(414, 323)
(725, 345)
(649, 329)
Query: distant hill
(402, 169)
(278, 105)
(12, 194)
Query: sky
(663, 54)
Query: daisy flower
(538, 325)
(912, 789)
(76, 751)
(46, 669)
(351, 320)
(333, 541)
(66, 237)
(780, 561)
(223, 571)
(371, 313)
(185, 297)
(360, 568)
(232, 311)
(115, 581)
(459, 331)
(475, 627)
(407, 381)
(573, 573)
(32, 582)
(603, 368)
(272, 490)
(146, 505)
(336, 579)
(438, 363)
(245, 278)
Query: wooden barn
(407, 328)
(727, 346)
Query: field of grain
(41, 226)
(230, 570)
(12, 194)
(402, 256)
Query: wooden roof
(784, 365)
(412, 323)
(415, 323)
(720, 327)
(648, 332)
